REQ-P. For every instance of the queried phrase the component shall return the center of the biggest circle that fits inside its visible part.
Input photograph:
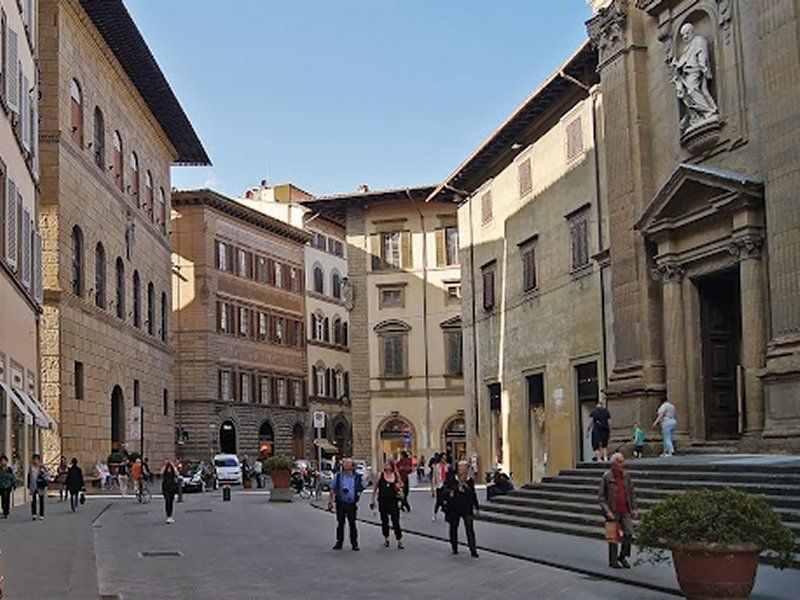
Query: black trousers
(405, 505)
(169, 502)
(73, 500)
(40, 495)
(469, 525)
(391, 512)
(346, 511)
(5, 498)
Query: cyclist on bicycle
(137, 474)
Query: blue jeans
(666, 432)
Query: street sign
(319, 419)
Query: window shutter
(441, 251)
(35, 136)
(405, 250)
(25, 245)
(11, 223)
(4, 42)
(270, 271)
(38, 284)
(24, 107)
(11, 71)
(3, 185)
(376, 250)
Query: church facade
(702, 135)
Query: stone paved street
(250, 548)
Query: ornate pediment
(696, 192)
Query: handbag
(82, 497)
(612, 532)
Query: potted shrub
(715, 538)
(114, 460)
(279, 469)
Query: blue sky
(329, 94)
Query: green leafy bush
(708, 516)
(115, 458)
(279, 462)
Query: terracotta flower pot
(280, 479)
(707, 571)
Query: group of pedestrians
(599, 430)
(454, 490)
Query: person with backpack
(345, 492)
(74, 483)
(8, 482)
(38, 478)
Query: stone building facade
(702, 123)
(239, 311)
(327, 310)
(533, 247)
(406, 378)
(110, 130)
(21, 415)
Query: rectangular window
(453, 293)
(225, 386)
(244, 264)
(454, 361)
(528, 268)
(222, 256)
(280, 390)
(297, 392)
(298, 334)
(338, 249)
(165, 401)
(244, 321)
(390, 249)
(222, 317)
(574, 139)
(486, 208)
(278, 275)
(525, 178)
(392, 297)
(451, 245)
(79, 380)
(294, 276)
(266, 389)
(137, 400)
(320, 241)
(579, 239)
(488, 288)
(245, 387)
(535, 385)
(261, 269)
(393, 358)
(263, 327)
(280, 330)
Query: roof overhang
(114, 23)
(334, 207)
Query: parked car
(365, 470)
(228, 469)
(197, 477)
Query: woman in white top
(666, 418)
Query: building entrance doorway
(117, 418)
(227, 438)
(588, 395)
(720, 318)
(454, 436)
(397, 435)
(266, 439)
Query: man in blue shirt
(345, 492)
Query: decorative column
(671, 276)
(754, 327)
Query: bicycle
(143, 495)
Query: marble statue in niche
(692, 73)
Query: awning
(37, 410)
(326, 446)
(18, 402)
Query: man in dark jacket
(345, 492)
(74, 483)
(462, 504)
(7, 484)
(618, 501)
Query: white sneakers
(170, 520)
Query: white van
(228, 469)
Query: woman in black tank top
(388, 488)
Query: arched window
(135, 178)
(119, 173)
(76, 112)
(120, 289)
(339, 383)
(100, 276)
(319, 379)
(337, 330)
(148, 188)
(336, 285)
(163, 316)
(314, 322)
(137, 300)
(319, 280)
(161, 213)
(77, 261)
(151, 308)
(99, 143)
(345, 341)
(326, 330)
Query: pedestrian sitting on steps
(618, 501)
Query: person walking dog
(462, 505)
(74, 483)
(389, 488)
(345, 492)
(618, 501)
